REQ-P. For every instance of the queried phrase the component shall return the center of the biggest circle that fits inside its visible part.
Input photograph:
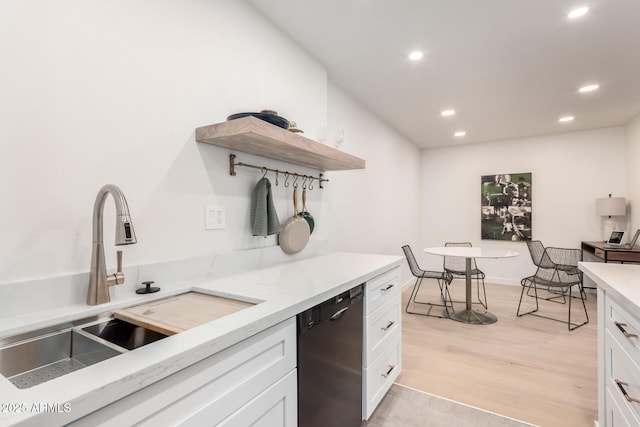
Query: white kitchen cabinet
(618, 368)
(253, 380)
(382, 355)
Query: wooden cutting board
(181, 312)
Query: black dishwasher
(330, 362)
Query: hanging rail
(233, 164)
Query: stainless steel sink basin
(124, 334)
(40, 356)
(44, 358)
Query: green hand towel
(264, 218)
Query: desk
(598, 250)
(469, 315)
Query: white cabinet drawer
(383, 325)
(622, 375)
(381, 374)
(625, 328)
(381, 289)
(616, 416)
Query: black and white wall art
(506, 207)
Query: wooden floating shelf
(254, 136)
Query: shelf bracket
(232, 164)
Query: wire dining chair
(443, 279)
(557, 270)
(457, 268)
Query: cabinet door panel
(275, 407)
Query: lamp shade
(611, 206)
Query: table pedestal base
(474, 317)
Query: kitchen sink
(40, 356)
(124, 334)
(44, 358)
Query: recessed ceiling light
(576, 13)
(566, 119)
(589, 88)
(448, 113)
(416, 56)
(460, 133)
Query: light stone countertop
(282, 292)
(619, 280)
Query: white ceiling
(510, 68)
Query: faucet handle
(118, 277)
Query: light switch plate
(215, 218)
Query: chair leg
(444, 299)
(484, 290)
(441, 290)
(583, 294)
(584, 306)
(535, 290)
(560, 297)
(414, 292)
(480, 301)
(557, 295)
(414, 295)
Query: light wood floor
(528, 368)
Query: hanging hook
(295, 181)
(264, 172)
(286, 180)
(304, 181)
(311, 183)
(277, 172)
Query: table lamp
(610, 206)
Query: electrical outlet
(215, 218)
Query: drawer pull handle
(391, 368)
(624, 392)
(624, 332)
(390, 324)
(386, 288)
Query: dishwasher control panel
(329, 309)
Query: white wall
(632, 134)
(378, 209)
(570, 170)
(111, 92)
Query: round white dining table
(469, 315)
